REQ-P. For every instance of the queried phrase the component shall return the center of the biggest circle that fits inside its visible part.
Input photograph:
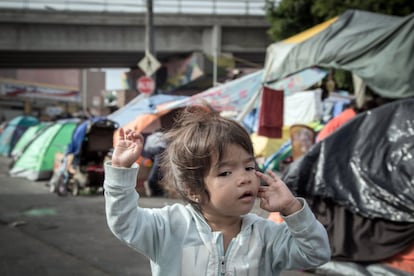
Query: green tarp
(376, 47)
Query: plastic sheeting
(348, 268)
(376, 47)
(366, 165)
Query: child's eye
(224, 174)
(250, 168)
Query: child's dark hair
(198, 134)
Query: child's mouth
(247, 196)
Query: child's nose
(245, 177)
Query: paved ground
(44, 234)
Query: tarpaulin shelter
(239, 96)
(359, 183)
(144, 110)
(142, 104)
(13, 131)
(377, 48)
(374, 150)
(229, 97)
(236, 98)
(149, 123)
(36, 162)
(144, 113)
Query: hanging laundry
(271, 113)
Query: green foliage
(289, 17)
(329, 9)
(343, 80)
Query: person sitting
(153, 148)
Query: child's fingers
(266, 177)
(273, 175)
(128, 132)
(121, 134)
(138, 136)
(262, 191)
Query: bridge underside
(31, 59)
(64, 39)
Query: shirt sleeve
(307, 244)
(128, 222)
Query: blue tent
(13, 131)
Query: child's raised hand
(276, 197)
(128, 148)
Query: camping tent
(13, 131)
(30, 134)
(377, 48)
(36, 162)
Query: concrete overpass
(32, 38)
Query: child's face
(232, 183)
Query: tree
(289, 17)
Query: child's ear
(194, 197)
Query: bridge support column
(216, 50)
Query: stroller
(82, 165)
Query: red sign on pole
(145, 85)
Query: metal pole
(84, 90)
(215, 67)
(149, 34)
(149, 30)
(216, 43)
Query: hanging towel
(271, 113)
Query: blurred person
(154, 146)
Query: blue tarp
(142, 104)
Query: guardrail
(215, 7)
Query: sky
(114, 77)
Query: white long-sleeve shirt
(178, 240)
